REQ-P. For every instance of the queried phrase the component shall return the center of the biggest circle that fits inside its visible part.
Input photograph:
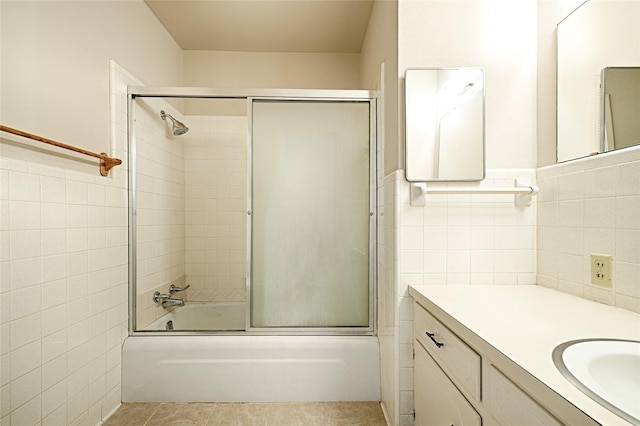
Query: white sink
(607, 370)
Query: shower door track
(207, 92)
(317, 95)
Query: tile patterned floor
(249, 414)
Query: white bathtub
(250, 368)
(196, 316)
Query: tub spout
(166, 300)
(172, 301)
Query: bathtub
(250, 368)
(196, 316)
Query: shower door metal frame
(335, 330)
(250, 95)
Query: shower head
(178, 127)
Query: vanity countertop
(526, 322)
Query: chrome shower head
(178, 127)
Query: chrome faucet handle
(159, 297)
(166, 300)
(173, 289)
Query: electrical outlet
(601, 270)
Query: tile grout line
(152, 414)
(215, 407)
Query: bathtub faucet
(166, 300)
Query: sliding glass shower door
(311, 202)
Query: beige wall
(271, 70)
(63, 229)
(252, 70)
(378, 65)
(55, 64)
(550, 13)
(381, 46)
(498, 35)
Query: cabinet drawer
(459, 361)
(512, 406)
(437, 400)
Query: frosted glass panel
(310, 214)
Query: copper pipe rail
(106, 162)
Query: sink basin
(607, 370)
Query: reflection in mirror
(621, 100)
(444, 128)
(599, 34)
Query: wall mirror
(621, 102)
(598, 52)
(444, 124)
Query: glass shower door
(310, 217)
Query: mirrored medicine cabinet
(598, 78)
(444, 124)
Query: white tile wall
(63, 297)
(469, 239)
(390, 351)
(453, 239)
(216, 207)
(191, 203)
(591, 206)
(147, 311)
(160, 206)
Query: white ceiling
(320, 26)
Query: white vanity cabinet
(510, 405)
(437, 401)
(455, 357)
(461, 380)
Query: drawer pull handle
(433, 339)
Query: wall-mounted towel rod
(106, 162)
(523, 192)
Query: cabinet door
(459, 362)
(437, 401)
(512, 407)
